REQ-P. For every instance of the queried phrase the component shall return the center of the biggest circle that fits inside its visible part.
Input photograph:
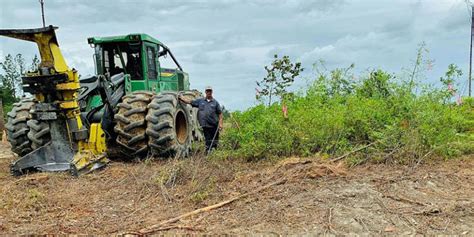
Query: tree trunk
(2, 122)
(270, 96)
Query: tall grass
(396, 119)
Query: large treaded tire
(131, 124)
(39, 133)
(197, 133)
(169, 126)
(17, 128)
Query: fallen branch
(163, 225)
(329, 224)
(421, 159)
(390, 154)
(405, 200)
(429, 211)
(353, 151)
(179, 227)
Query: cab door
(152, 66)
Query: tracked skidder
(129, 110)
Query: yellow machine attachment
(73, 147)
(92, 155)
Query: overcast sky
(226, 43)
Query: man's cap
(208, 88)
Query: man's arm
(193, 103)
(184, 100)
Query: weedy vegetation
(377, 117)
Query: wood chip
(390, 228)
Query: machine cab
(137, 57)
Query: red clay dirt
(308, 196)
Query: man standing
(209, 116)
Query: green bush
(400, 120)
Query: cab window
(151, 61)
(122, 58)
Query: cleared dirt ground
(301, 197)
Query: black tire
(169, 127)
(131, 124)
(17, 128)
(39, 133)
(197, 133)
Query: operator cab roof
(123, 38)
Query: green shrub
(403, 121)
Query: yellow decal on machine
(167, 74)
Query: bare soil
(308, 196)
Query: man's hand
(220, 127)
(184, 100)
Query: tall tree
(34, 63)
(13, 68)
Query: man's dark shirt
(208, 112)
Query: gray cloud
(227, 43)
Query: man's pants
(209, 133)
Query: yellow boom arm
(48, 46)
(59, 100)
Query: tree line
(12, 67)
